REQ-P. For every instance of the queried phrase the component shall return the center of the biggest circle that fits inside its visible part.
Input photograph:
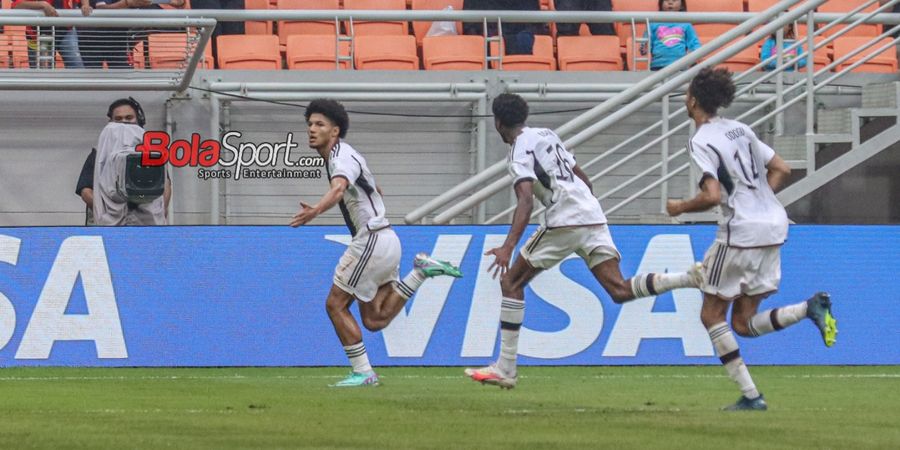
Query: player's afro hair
(331, 109)
(510, 109)
(713, 89)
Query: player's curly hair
(713, 89)
(683, 5)
(510, 109)
(333, 110)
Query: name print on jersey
(234, 158)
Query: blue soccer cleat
(356, 379)
(746, 404)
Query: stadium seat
(376, 52)
(541, 58)
(18, 45)
(420, 29)
(315, 52)
(762, 5)
(5, 55)
(631, 49)
(169, 51)
(291, 27)
(714, 29)
(884, 62)
(453, 53)
(595, 53)
(844, 6)
(368, 27)
(741, 61)
(257, 52)
(257, 26)
(548, 5)
(623, 29)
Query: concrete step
(835, 121)
(881, 95)
(792, 149)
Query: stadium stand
(884, 62)
(315, 52)
(257, 26)
(540, 59)
(714, 29)
(288, 28)
(377, 52)
(453, 53)
(843, 6)
(600, 53)
(363, 28)
(623, 29)
(420, 29)
(256, 52)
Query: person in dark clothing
(571, 29)
(519, 37)
(221, 27)
(85, 186)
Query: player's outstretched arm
(524, 206)
(709, 196)
(779, 172)
(331, 198)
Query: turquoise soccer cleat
(746, 404)
(356, 379)
(431, 267)
(818, 309)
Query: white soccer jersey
(539, 155)
(362, 205)
(730, 152)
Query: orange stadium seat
(541, 58)
(420, 29)
(377, 52)
(762, 5)
(714, 29)
(741, 61)
(884, 62)
(18, 45)
(291, 27)
(548, 5)
(368, 27)
(315, 52)
(257, 26)
(623, 29)
(596, 53)
(5, 55)
(169, 50)
(453, 53)
(258, 52)
(843, 6)
(630, 50)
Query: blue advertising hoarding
(254, 296)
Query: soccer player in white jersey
(573, 223)
(743, 266)
(368, 270)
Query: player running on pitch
(743, 266)
(574, 222)
(368, 270)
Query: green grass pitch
(553, 407)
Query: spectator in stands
(66, 38)
(113, 45)
(670, 41)
(518, 37)
(110, 205)
(769, 48)
(571, 29)
(221, 27)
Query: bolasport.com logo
(231, 158)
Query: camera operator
(119, 193)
